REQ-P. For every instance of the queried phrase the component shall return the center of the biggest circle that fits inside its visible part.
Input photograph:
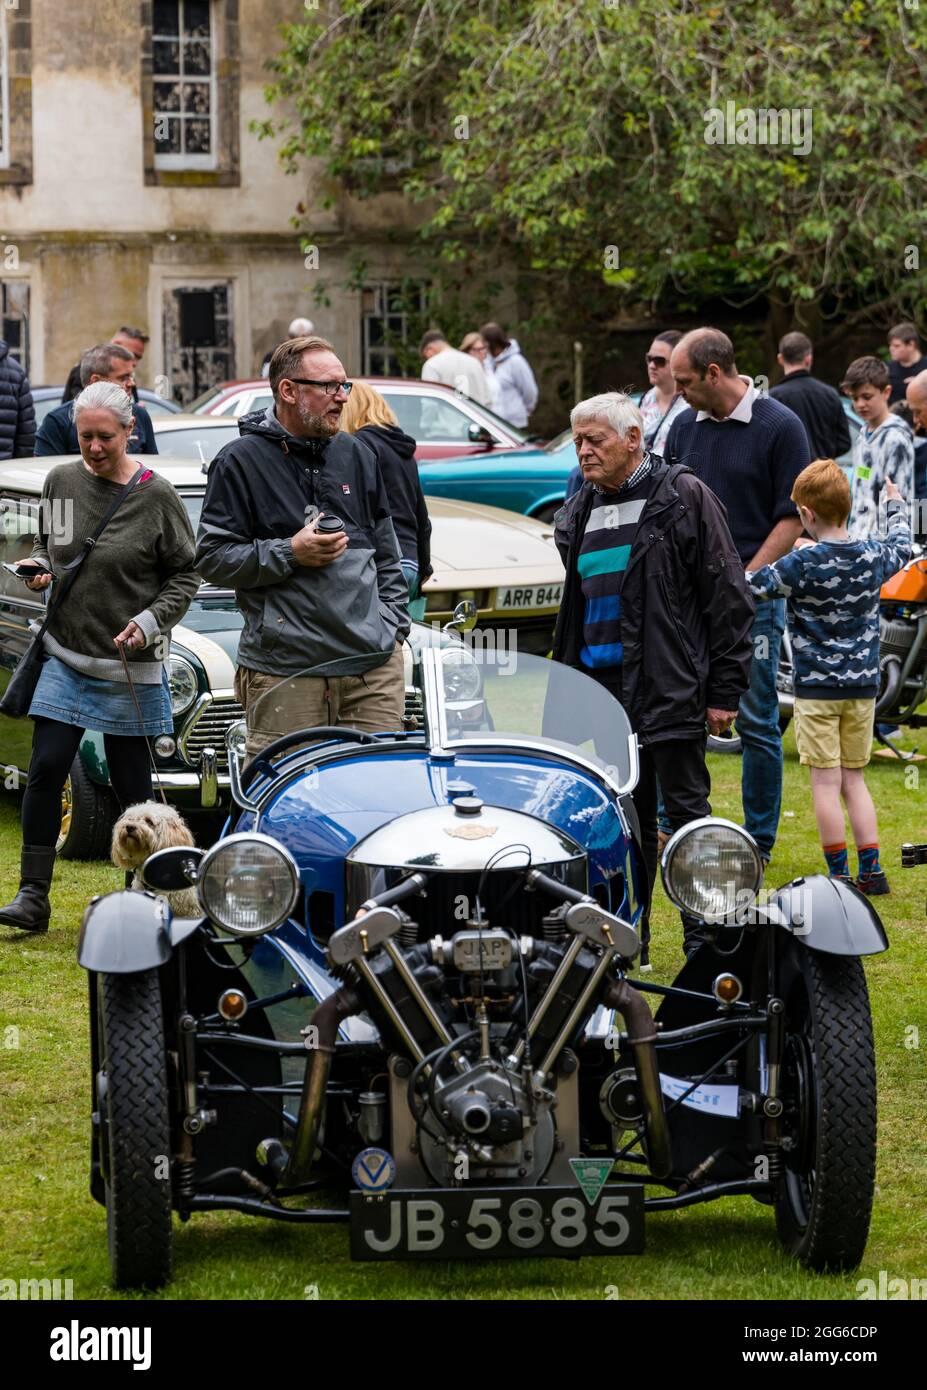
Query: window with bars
(391, 317)
(183, 73)
(14, 319)
(4, 93)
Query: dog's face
(144, 828)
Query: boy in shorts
(832, 586)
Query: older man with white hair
(655, 607)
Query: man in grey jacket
(325, 610)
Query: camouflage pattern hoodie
(885, 452)
(832, 589)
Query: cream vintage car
(504, 563)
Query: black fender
(128, 931)
(826, 914)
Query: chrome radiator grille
(207, 728)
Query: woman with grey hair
(134, 584)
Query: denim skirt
(104, 706)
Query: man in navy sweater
(105, 362)
(749, 450)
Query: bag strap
(69, 571)
(650, 438)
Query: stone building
(133, 191)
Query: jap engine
(480, 957)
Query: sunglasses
(654, 361)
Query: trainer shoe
(873, 884)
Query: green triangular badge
(591, 1174)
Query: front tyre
(824, 1202)
(136, 1136)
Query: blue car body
(322, 819)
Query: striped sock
(838, 861)
(868, 860)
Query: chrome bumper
(207, 781)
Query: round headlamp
(711, 868)
(236, 739)
(248, 884)
(462, 680)
(183, 685)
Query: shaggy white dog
(140, 831)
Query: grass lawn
(51, 1228)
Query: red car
(444, 423)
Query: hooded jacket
(515, 383)
(686, 609)
(337, 620)
(17, 412)
(395, 453)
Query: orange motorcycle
(903, 647)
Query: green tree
(574, 142)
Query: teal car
(534, 480)
(531, 480)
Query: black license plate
(495, 1222)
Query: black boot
(30, 910)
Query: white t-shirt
(460, 371)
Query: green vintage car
(192, 761)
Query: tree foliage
(542, 133)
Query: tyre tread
(841, 1206)
(138, 1203)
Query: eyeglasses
(331, 388)
(654, 361)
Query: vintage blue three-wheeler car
(411, 1001)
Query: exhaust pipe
(892, 685)
(642, 1035)
(294, 1167)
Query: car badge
(374, 1170)
(471, 832)
(591, 1174)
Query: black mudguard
(827, 915)
(128, 931)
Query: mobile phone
(25, 572)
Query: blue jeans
(758, 726)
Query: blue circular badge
(374, 1170)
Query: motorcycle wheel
(824, 1201)
(132, 1099)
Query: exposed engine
(480, 1022)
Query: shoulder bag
(18, 695)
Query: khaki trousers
(276, 705)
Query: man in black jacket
(655, 607)
(17, 412)
(325, 610)
(816, 404)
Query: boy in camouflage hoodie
(832, 586)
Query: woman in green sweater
(133, 587)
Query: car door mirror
(170, 870)
(464, 619)
(479, 434)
